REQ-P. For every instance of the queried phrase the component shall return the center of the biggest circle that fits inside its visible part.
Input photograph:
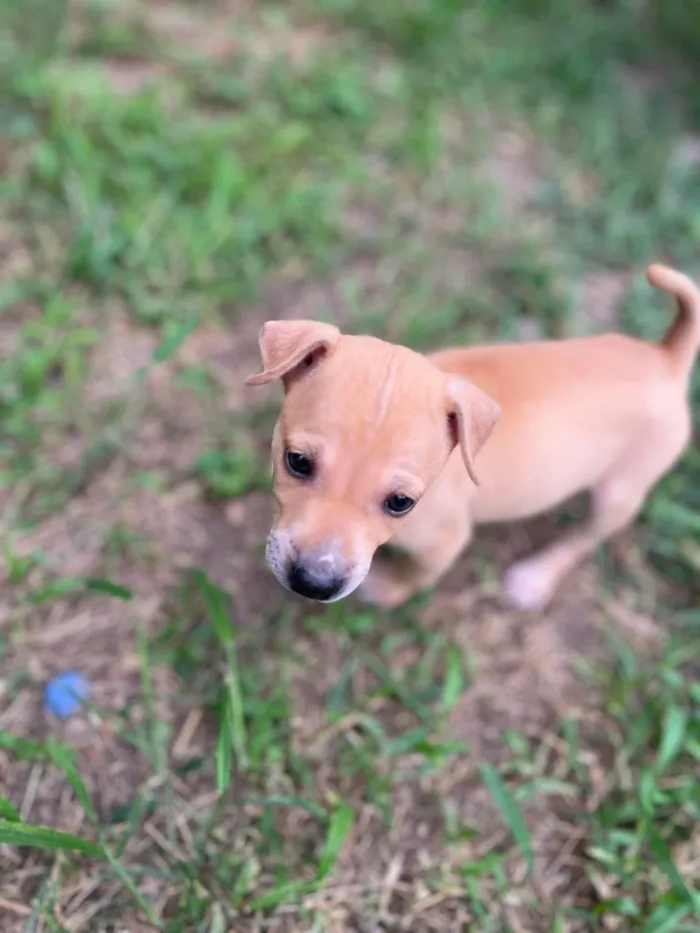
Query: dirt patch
(129, 77)
(235, 28)
(16, 260)
(596, 306)
(212, 37)
(124, 350)
(512, 168)
(687, 152)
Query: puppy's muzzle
(322, 572)
(316, 576)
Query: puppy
(376, 443)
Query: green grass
(430, 171)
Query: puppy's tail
(682, 340)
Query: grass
(173, 175)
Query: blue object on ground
(64, 693)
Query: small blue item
(64, 693)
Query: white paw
(380, 590)
(529, 585)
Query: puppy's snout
(317, 576)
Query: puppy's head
(365, 428)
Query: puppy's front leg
(424, 550)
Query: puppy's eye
(298, 465)
(397, 504)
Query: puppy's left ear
(288, 346)
(472, 416)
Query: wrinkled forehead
(368, 387)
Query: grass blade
(453, 686)
(138, 897)
(665, 862)
(224, 756)
(339, 827)
(109, 589)
(65, 586)
(64, 758)
(174, 340)
(7, 811)
(509, 811)
(672, 737)
(282, 893)
(42, 837)
(232, 731)
(234, 710)
(665, 919)
(217, 609)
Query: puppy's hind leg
(616, 500)
(532, 582)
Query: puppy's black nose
(314, 581)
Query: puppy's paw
(530, 584)
(379, 588)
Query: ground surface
(172, 176)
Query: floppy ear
(285, 345)
(472, 416)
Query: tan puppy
(376, 444)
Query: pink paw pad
(528, 585)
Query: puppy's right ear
(286, 346)
(472, 416)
